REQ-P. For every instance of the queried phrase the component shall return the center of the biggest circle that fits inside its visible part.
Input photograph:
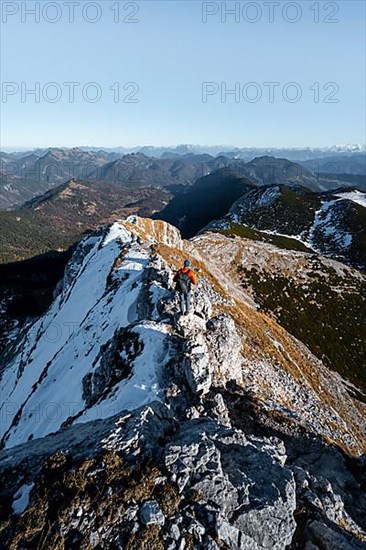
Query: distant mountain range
(26, 175)
(293, 153)
(190, 192)
(337, 164)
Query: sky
(247, 74)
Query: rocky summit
(124, 425)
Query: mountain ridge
(329, 223)
(25, 175)
(131, 422)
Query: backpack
(183, 282)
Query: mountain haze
(28, 174)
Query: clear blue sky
(169, 53)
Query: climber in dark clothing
(184, 278)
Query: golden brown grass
(260, 333)
(103, 487)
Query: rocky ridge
(217, 431)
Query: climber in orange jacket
(184, 278)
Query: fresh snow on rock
(117, 231)
(255, 198)
(44, 384)
(143, 386)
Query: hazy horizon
(174, 146)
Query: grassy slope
(328, 320)
(306, 296)
(282, 242)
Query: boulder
(151, 514)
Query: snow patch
(254, 199)
(65, 342)
(354, 196)
(143, 386)
(117, 232)
(298, 238)
(21, 498)
(326, 224)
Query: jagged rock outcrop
(196, 365)
(114, 364)
(125, 426)
(249, 495)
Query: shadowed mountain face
(27, 290)
(126, 426)
(32, 282)
(208, 199)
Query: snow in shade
(21, 498)
(143, 386)
(326, 224)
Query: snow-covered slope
(331, 224)
(109, 385)
(327, 230)
(356, 196)
(55, 374)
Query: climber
(184, 278)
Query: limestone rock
(196, 366)
(151, 513)
(253, 494)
